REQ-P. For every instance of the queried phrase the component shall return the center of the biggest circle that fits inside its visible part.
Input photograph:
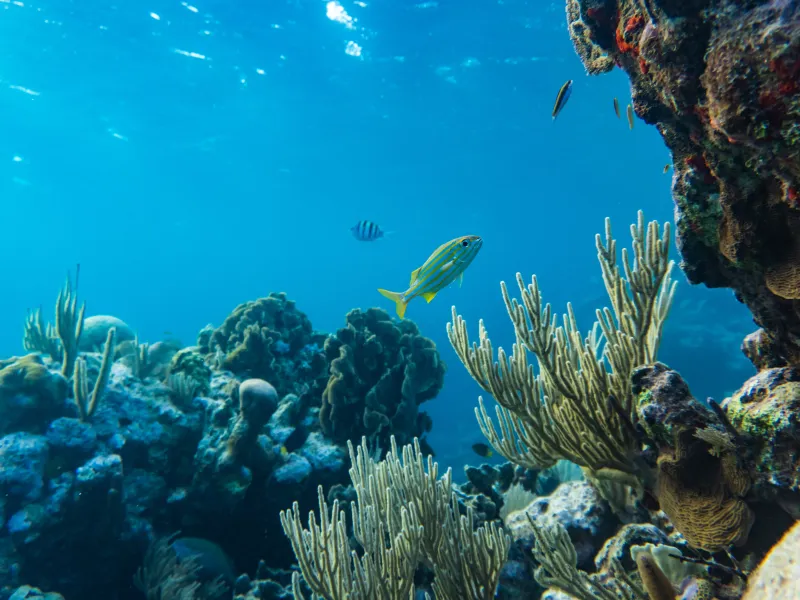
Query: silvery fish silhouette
(447, 263)
(367, 231)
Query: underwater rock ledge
(720, 79)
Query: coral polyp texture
(721, 81)
(381, 371)
(271, 339)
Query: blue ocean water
(193, 156)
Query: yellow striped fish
(447, 263)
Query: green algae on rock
(766, 409)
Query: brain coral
(269, 339)
(381, 371)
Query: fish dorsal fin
(414, 274)
(429, 296)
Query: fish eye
(465, 243)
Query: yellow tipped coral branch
(567, 410)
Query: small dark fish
(561, 100)
(667, 167)
(367, 231)
(616, 107)
(482, 450)
(630, 116)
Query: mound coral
(30, 394)
(381, 371)
(269, 339)
(719, 78)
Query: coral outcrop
(765, 410)
(30, 394)
(270, 339)
(381, 371)
(719, 79)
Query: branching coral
(580, 406)
(404, 514)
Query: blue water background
(186, 183)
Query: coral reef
(110, 444)
(719, 80)
(381, 371)
(642, 439)
(578, 508)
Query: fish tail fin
(398, 299)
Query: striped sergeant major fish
(447, 263)
(367, 231)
